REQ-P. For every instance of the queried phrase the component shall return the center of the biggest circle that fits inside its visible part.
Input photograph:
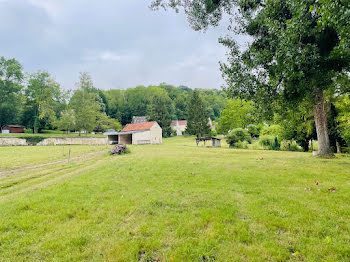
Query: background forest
(39, 103)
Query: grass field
(51, 133)
(173, 202)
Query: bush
(288, 145)
(240, 144)
(238, 135)
(269, 142)
(33, 140)
(253, 130)
(213, 132)
(28, 131)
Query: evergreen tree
(197, 119)
(159, 113)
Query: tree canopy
(197, 119)
(11, 78)
(298, 49)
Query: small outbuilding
(12, 129)
(145, 133)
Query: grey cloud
(121, 43)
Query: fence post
(69, 156)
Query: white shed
(137, 134)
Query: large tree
(160, 113)
(236, 114)
(66, 121)
(86, 103)
(11, 77)
(44, 97)
(298, 48)
(197, 118)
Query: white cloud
(52, 7)
(106, 56)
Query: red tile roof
(138, 126)
(181, 123)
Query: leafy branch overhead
(298, 49)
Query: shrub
(253, 130)
(288, 145)
(213, 132)
(269, 142)
(240, 144)
(33, 140)
(28, 131)
(238, 135)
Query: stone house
(144, 133)
(179, 126)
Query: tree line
(38, 102)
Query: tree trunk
(324, 147)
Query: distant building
(138, 119)
(143, 133)
(12, 129)
(210, 123)
(179, 126)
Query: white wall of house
(141, 138)
(152, 136)
(156, 134)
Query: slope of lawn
(179, 202)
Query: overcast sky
(121, 43)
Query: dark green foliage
(335, 135)
(160, 114)
(33, 140)
(11, 77)
(238, 135)
(43, 101)
(254, 130)
(124, 104)
(269, 142)
(197, 119)
(299, 49)
(290, 145)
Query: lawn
(175, 202)
(51, 133)
(16, 157)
